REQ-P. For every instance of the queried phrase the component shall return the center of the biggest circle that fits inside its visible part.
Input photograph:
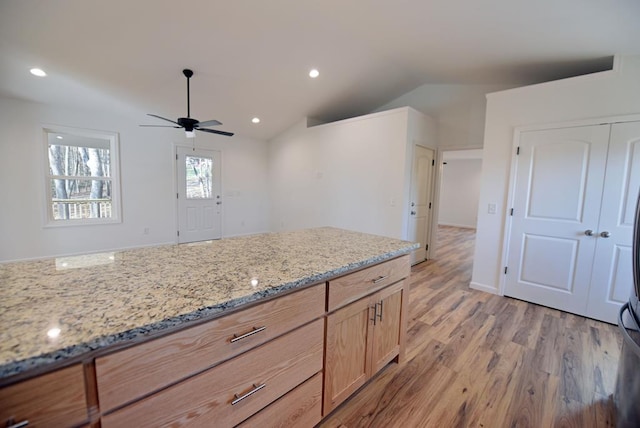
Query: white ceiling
(251, 57)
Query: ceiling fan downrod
(188, 74)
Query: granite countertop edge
(75, 353)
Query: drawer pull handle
(17, 425)
(380, 314)
(255, 389)
(380, 278)
(255, 330)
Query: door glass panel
(198, 177)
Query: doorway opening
(457, 189)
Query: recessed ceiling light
(314, 73)
(255, 120)
(38, 72)
(59, 137)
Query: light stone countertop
(99, 300)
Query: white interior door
(558, 190)
(612, 277)
(420, 204)
(199, 197)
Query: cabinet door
(387, 331)
(348, 354)
(55, 399)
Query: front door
(420, 204)
(558, 191)
(199, 198)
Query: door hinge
(505, 270)
(177, 195)
(518, 151)
(429, 205)
(433, 162)
(176, 156)
(512, 211)
(178, 233)
(426, 248)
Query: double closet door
(571, 231)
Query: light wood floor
(479, 360)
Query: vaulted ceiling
(252, 57)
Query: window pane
(81, 198)
(199, 174)
(77, 161)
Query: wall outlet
(145, 231)
(492, 209)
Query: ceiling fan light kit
(189, 124)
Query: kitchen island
(89, 310)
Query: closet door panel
(612, 278)
(558, 191)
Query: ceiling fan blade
(163, 118)
(161, 126)
(213, 131)
(208, 123)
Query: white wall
(350, 174)
(459, 192)
(609, 93)
(147, 182)
(459, 110)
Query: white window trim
(114, 143)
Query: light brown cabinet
(302, 408)
(233, 391)
(56, 399)
(140, 370)
(287, 361)
(365, 335)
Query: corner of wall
(483, 287)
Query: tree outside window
(81, 181)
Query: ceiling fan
(189, 124)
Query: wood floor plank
(479, 360)
(535, 398)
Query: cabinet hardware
(379, 279)
(375, 313)
(12, 424)
(255, 330)
(588, 232)
(605, 234)
(379, 314)
(255, 389)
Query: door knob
(588, 232)
(605, 234)
(413, 204)
(218, 203)
(413, 213)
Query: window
(199, 173)
(82, 176)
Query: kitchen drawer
(206, 400)
(301, 407)
(56, 399)
(351, 287)
(134, 372)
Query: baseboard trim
(483, 287)
(463, 226)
